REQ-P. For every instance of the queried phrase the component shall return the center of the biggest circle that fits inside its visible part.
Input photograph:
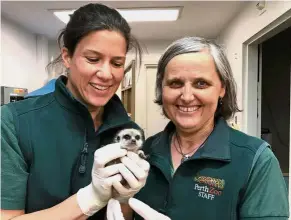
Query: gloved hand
(145, 211)
(95, 196)
(114, 210)
(135, 173)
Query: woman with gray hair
(200, 167)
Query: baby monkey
(131, 140)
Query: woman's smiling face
(191, 89)
(96, 68)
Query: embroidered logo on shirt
(208, 187)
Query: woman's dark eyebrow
(174, 78)
(203, 79)
(92, 51)
(177, 79)
(119, 58)
(100, 54)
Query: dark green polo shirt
(233, 176)
(48, 144)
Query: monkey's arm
(127, 211)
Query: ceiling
(206, 19)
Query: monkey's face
(131, 139)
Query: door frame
(147, 66)
(252, 76)
(251, 84)
(141, 91)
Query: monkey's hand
(142, 155)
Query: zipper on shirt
(84, 154)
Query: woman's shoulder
(150, 141)
(28, 105)
(243, 140)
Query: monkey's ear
(118, 138)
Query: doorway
(275, 95)
(253, 90)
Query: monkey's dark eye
(137, 137)
(126, 137)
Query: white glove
(95, 196)
(145, 211)
(114, 210)
(135, 172)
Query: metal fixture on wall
(260, 5)
(12, 94)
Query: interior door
(155, 121)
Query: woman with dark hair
(55, 147)
(200, 167)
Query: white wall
(23, 57)
(241, 29)
(155, 48)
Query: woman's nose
(104, 71)
(187, 94)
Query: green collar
(114, 112)
(216, 146)
(66, 98)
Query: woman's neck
(95, 112)
(194, 139)
(96, 115)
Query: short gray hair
(196, 44)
